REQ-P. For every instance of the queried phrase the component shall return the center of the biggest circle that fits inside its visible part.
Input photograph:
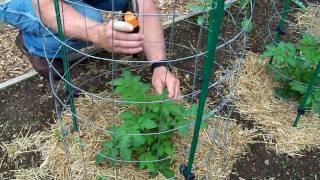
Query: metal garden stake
(66, 67)
(215, 19)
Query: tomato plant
(298, 62)
(151, 127)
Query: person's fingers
(128, 50)
(127, 44)
(121, 26)
(177, 89)
(158, 87)
(117, 35)
(171, 88)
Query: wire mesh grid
(293, 33)
(99, 108)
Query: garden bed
(51, 139)
(279, 150)
(261, 157)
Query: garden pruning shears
(131, 15)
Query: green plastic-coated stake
(281, 27)
(284, 15)
(66, 67)
(307, 95)
(215, 19)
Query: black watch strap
(159, 64)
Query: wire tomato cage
(205, 44)
(281, 28)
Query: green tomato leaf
(169, 150)
(177, 110)
(101, 177)
(167, 172)
(296, 86)
(137, 140)
(124, 141)
(128, 116)
(100, 157)
(148, 124)
(184, 131)
(196, 8)
(148, 165)
(113, 153)
(204, 124)
(161, 150)
(316, 103)
(107, 144)
(149, 139)
(125, 154)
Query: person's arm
(150, 26)
(154, 48)
(79, 27)
(103, 35)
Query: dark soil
(25, 107)
(259, 162)
(263, 163)
(29, 105)
(25, 160)
(262, 12)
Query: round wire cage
(95, 141)
(293, 32)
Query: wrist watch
(159, 64)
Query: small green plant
(101, 177)
(205, 6)
(298, 62)
(140, 120)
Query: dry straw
(214, 159)
(309, 19)
(256, 100)
(12, 61)
(23, 144)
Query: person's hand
(163, 78)
(116, 37)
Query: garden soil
(26, 110)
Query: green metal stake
(284, 15)
(302, 105)
(66, 67)
(215, 20)
(281, 28)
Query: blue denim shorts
(37, 38)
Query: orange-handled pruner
(131, 15)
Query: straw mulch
(257, 101)
(309, 19)
(218, 148)
(12, 61)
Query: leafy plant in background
(140, 119)
(205, 6)
(298, 62)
